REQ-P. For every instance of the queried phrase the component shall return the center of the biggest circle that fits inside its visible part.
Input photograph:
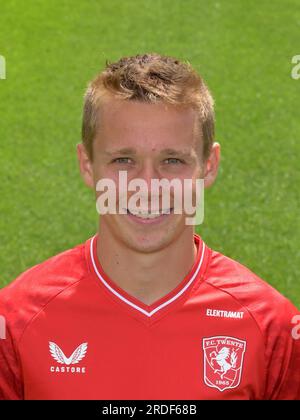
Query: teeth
(148, 215)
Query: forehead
(143, 125)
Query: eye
(173, 161)
(122, 160)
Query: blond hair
(149, 78)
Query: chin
(148, 245)
(146, 239)
(149, 242)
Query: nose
(148, 172)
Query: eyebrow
(132, 151)
(125, 151)
(174, 152)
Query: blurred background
(244, 52)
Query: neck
(146, 276)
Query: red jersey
(72, 333)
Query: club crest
(223, 361)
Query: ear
(212, 165)
(85, 165)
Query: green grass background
(242, 49)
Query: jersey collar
(163, 303)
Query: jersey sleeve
(21, 301)
(11, 387)
(283, 355)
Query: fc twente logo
(223, 361)
(76, 357)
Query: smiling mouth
(145, 215)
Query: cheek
(109, 185)
(180, 172)
(101, 171)
(200, 170)
(195, 172)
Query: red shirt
(72, 333)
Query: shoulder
(264, 303)
(275, 317)
(31, 291)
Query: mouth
(146, 217)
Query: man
(145, 309)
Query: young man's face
(148, 141)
